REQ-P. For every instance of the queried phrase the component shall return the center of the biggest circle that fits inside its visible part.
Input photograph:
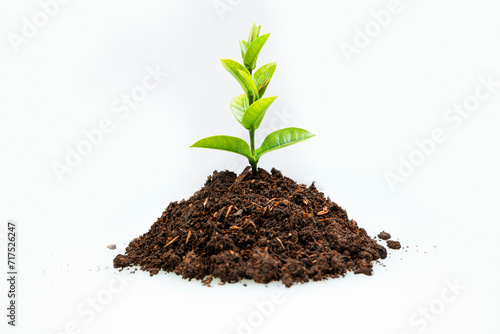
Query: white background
(366, 113)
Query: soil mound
(264, 228)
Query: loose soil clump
(265, 228)
(393, 244)
(384, 235)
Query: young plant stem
(247, 108)
(253, 163)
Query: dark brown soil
(264, 228)
(384, 235)
(393, 244)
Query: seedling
(250, 108)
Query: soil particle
(393, 244)
(384, 235)
(121, 261)
(207, 280)
(382, 252)
(366, 271)
(112, 246)
(265, 228)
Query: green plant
(250, 108)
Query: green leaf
(256, 112)
(250, 59)
(262, 77)
(251, 89)
(254, 33)
(225, 143)
(282, 138)
(241, 74)
(238, 106)
(234, 67)
(243, 47)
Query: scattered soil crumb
(366, 271)
(393, 244)
(207, 280)
(112, 246)
(384, 235)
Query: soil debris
(393, 244)
(384, 235)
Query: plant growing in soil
(250, 108)
(264, 227)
